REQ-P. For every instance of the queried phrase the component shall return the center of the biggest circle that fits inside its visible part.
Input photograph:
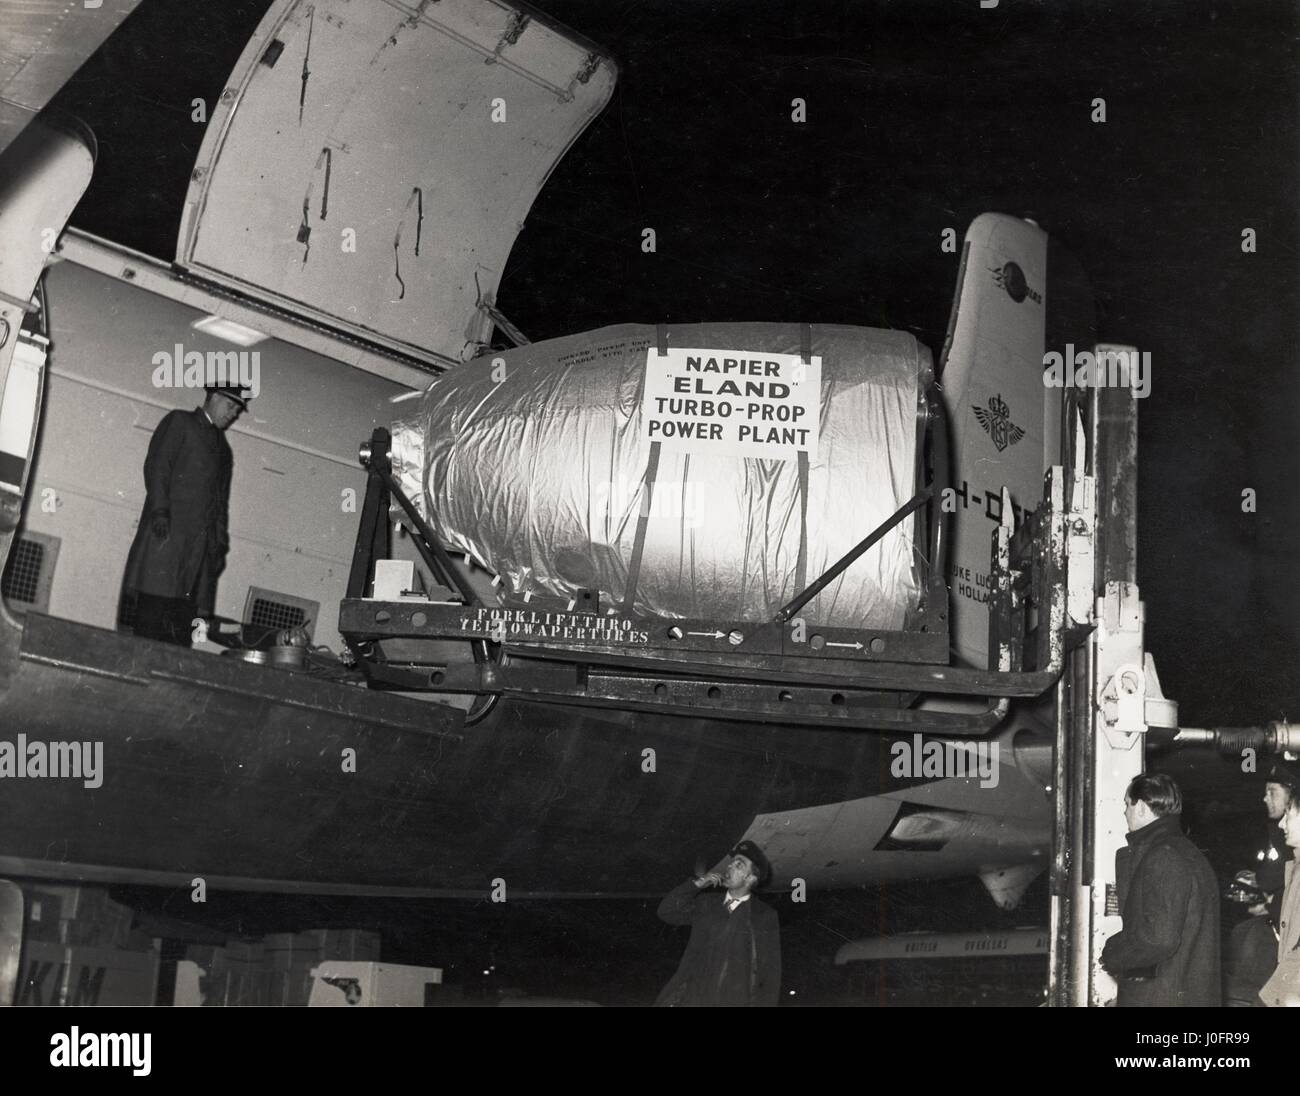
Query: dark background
(920, 116)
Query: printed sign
(742, 403)
(504, 625)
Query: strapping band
(647, 494)
(638, 546)
(801, 564)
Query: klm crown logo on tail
(997, 423)
(1012, 278)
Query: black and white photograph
(650, 503)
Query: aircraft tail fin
(1018, 295)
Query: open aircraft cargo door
(370, 164)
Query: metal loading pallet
(783, 670)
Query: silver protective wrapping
(532, 461)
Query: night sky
(920, 116)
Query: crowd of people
(1262, 964)
(1168, 951)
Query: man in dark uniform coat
(734, 953)
(1168, 950)
(180, 547)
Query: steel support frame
(783, 661)
(772, 650)
(606, 687)
(782, 670)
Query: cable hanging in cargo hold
(417, 197)
(306, 57)
(326, 159)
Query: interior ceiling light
(233, 332)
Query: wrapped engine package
(718, 478)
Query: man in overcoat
(181, 544)
(1167, 953)
(734, 954)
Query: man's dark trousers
(166, 619)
